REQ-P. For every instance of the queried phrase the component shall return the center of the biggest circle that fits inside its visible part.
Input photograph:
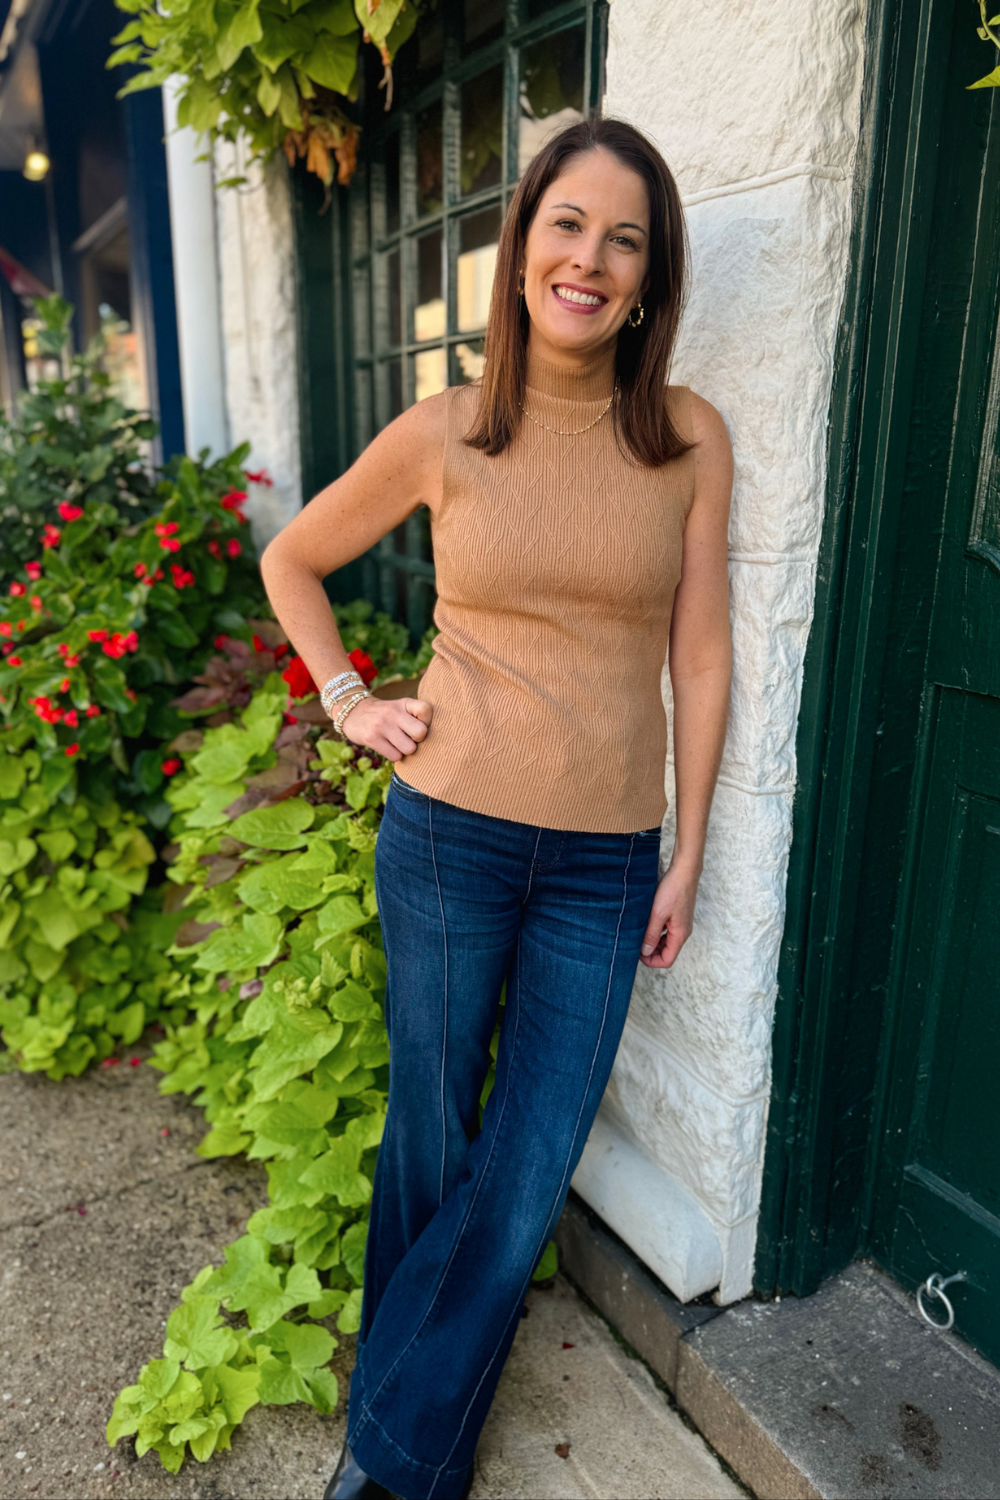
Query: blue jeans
(460, 1215)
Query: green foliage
(271, 70)
(988, 33)
(71, 440)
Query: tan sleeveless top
(556, 567)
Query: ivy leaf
(224, 1139)
(250, 1283)
(342, 914)
(276, 827)
(253, 944)
(991, 81)
(268, 94)
(333, 15)
(195, 1337)
(352, 1002)
(352, 1249)
(243, 31)
(378, 23)
(297, 1119)
(293, 1045)
(239, 1390)
(349, 1320)
(333, 61)
(282, 40)
(272, 887)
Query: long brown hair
(639, 410)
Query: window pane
(534, 8)
(391, 158)
(482, 130)
(392, 276)
(430, 369)
(483, 22)
(551, 90)
(429, 312)
(430, 45)
(429, 177)
(395, 388)
(469, 361)
(477, 254)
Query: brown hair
(639, 410)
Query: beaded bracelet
(345, 708)
(339, 687)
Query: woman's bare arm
(398, 471)
(700, 675)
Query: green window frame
(477, 90)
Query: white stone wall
(256, 256)
(755, 104)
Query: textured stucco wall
(755, 104)
(257, 283)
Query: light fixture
(36, 165)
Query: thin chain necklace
(574, 432)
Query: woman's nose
(589, 255)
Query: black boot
(350, 1482)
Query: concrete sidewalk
(104, 1217)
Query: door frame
(834, 1014)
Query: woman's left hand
(671, 918)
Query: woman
(579, 509)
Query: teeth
(584, 297)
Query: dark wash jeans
(460, 1216)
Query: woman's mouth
(577, 298)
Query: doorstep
(845, 1393)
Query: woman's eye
(567, 224)
(623, 239)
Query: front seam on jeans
(576, 1128)
(444, 1030)
(531, 867)
(366, 1409)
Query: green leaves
(250, 1283)
(251, 945)
(277, 827)
(195, 1337)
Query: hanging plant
(988, 33)
(276, 72)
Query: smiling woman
(579, 510)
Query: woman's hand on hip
(671, 918)
(392, 727)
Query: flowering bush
(71, 442)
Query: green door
(937, 1198)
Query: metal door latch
(934, 1287)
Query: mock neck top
(556, 562)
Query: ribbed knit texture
(556, 568)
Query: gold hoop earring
(520, 283)
(634, 322)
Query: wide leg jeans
(460, 1215)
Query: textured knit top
(556, 567)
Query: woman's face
(586, 256)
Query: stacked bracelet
(338, 687)
(345, 707)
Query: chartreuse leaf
(277, 827)
(250, 1283)
(251, 945)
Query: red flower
(71, 718)
(233, 501)
(214, 548)
(261, 477)
(166, 528)
(132, 694)
(183, 577)
(170, 544)
(64, 685)
(115, 647)
(221, 642)
(280, 650)
(70, 512)
(258, 644)
(6, 628)
(139, 570)
(72, 749)
(299, 678)
(233, 547)
(172, 766)
(134, 1062)
(14, 661)
(363, 665)
(21, 624)
(17, 589)
(97, 635)
(92, 710)
(35, 602)
(289, 719)
(33, 570)
(50, 535)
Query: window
(478, 91)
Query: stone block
(741, 89)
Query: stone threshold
(845, 1393)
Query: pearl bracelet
(345, 708)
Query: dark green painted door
(937, 1202)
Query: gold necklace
(574, 432)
